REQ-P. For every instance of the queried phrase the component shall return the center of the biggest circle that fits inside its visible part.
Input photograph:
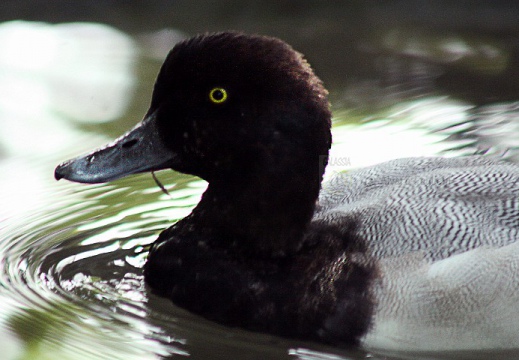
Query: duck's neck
(266, 209)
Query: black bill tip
(84, 170)
(59, 172)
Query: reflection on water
(71, 282)
(53, 79)
(80, 279)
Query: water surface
(71, 283)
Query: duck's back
(468, 301)
(443, 233)
(437, 206)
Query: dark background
(343, 39)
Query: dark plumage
(247, 114)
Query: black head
(223, 104)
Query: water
(71, 279)
(71, 284)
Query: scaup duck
(412, 254)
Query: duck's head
(223, 104)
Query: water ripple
(72, 285)
(76, 274)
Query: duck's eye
(218, 95)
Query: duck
(414, 254)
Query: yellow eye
(218, 95)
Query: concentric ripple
(71, 283)
(74, 273)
